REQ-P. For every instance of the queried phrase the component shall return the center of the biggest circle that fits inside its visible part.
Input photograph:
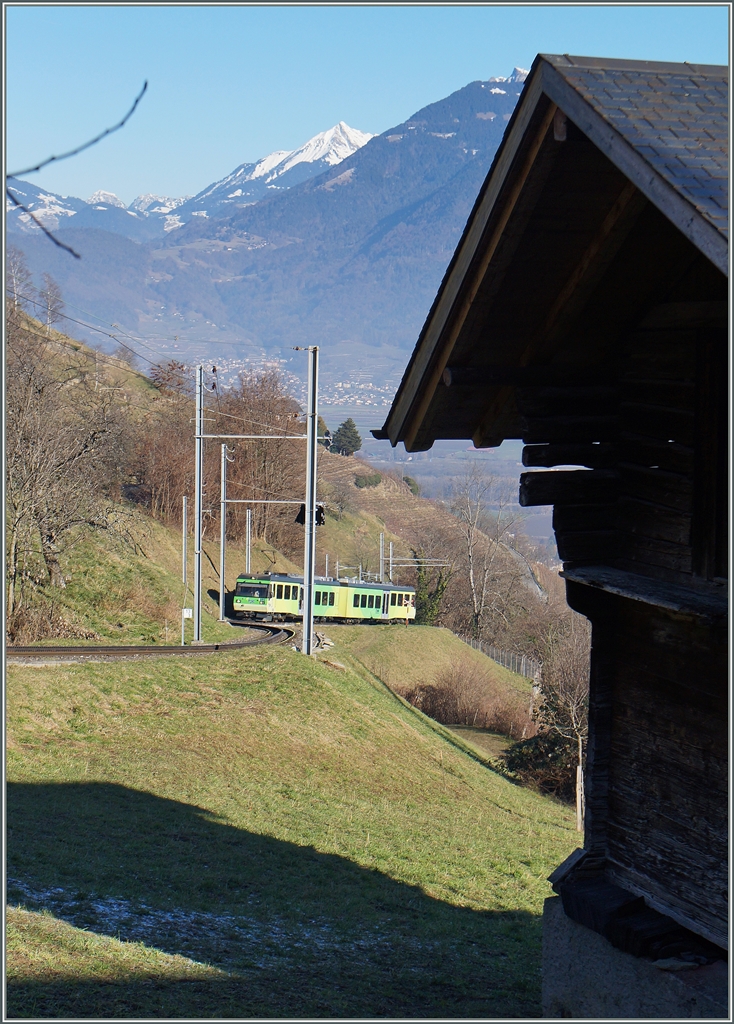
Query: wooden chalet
(585, 311)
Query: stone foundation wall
(586, 977)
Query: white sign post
(186, 613)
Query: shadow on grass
(301, 933)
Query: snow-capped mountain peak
(330, 147)
(156, 204)
(517, 77)
(107, 198)
(249, 183)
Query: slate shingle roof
(673, 115)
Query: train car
(279, 597)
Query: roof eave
(453, 289)
(445, 318)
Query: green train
(276, 597)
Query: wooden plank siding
(668, 750)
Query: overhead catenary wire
(99, 330)
(111, 361)
(139, 341)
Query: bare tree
(18, 280)
(172, 377)
(564, 694)
(481, 503)
(263, 469)
(51, 303)
(63, 447)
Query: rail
(268, 635)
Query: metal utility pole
(382, 558)
(309, 554)
(222, 528)
(326, 570)
(248, 541)
(391, 550)
(198, 510)
(184, 538)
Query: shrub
(367, 480)
(464, 694)
(546, 762)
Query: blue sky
(229, 84)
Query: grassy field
(403, 658)
(133, 593)
(255, 834)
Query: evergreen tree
(347, 440)
(429, 589)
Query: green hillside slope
(283, 820)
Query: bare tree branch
(72, 152)
(85, 145)
(37, 222)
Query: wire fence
(519, 663)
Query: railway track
(102, 652)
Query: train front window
(248, 590)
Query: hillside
(402, 512)
(315, 847)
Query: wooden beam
(592, 400)
(574, 487)
(560, 429)
(595, 456)
(552, 375)
(709, 603)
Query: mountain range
(341, 243)
(153, 216)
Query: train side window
(317, 597)
(286, 593)
(400, 599)
(370, 601)
(279, 591)
(294, 592)
(393, 597)
(363, 601)
(331, 599)
(356, 601)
